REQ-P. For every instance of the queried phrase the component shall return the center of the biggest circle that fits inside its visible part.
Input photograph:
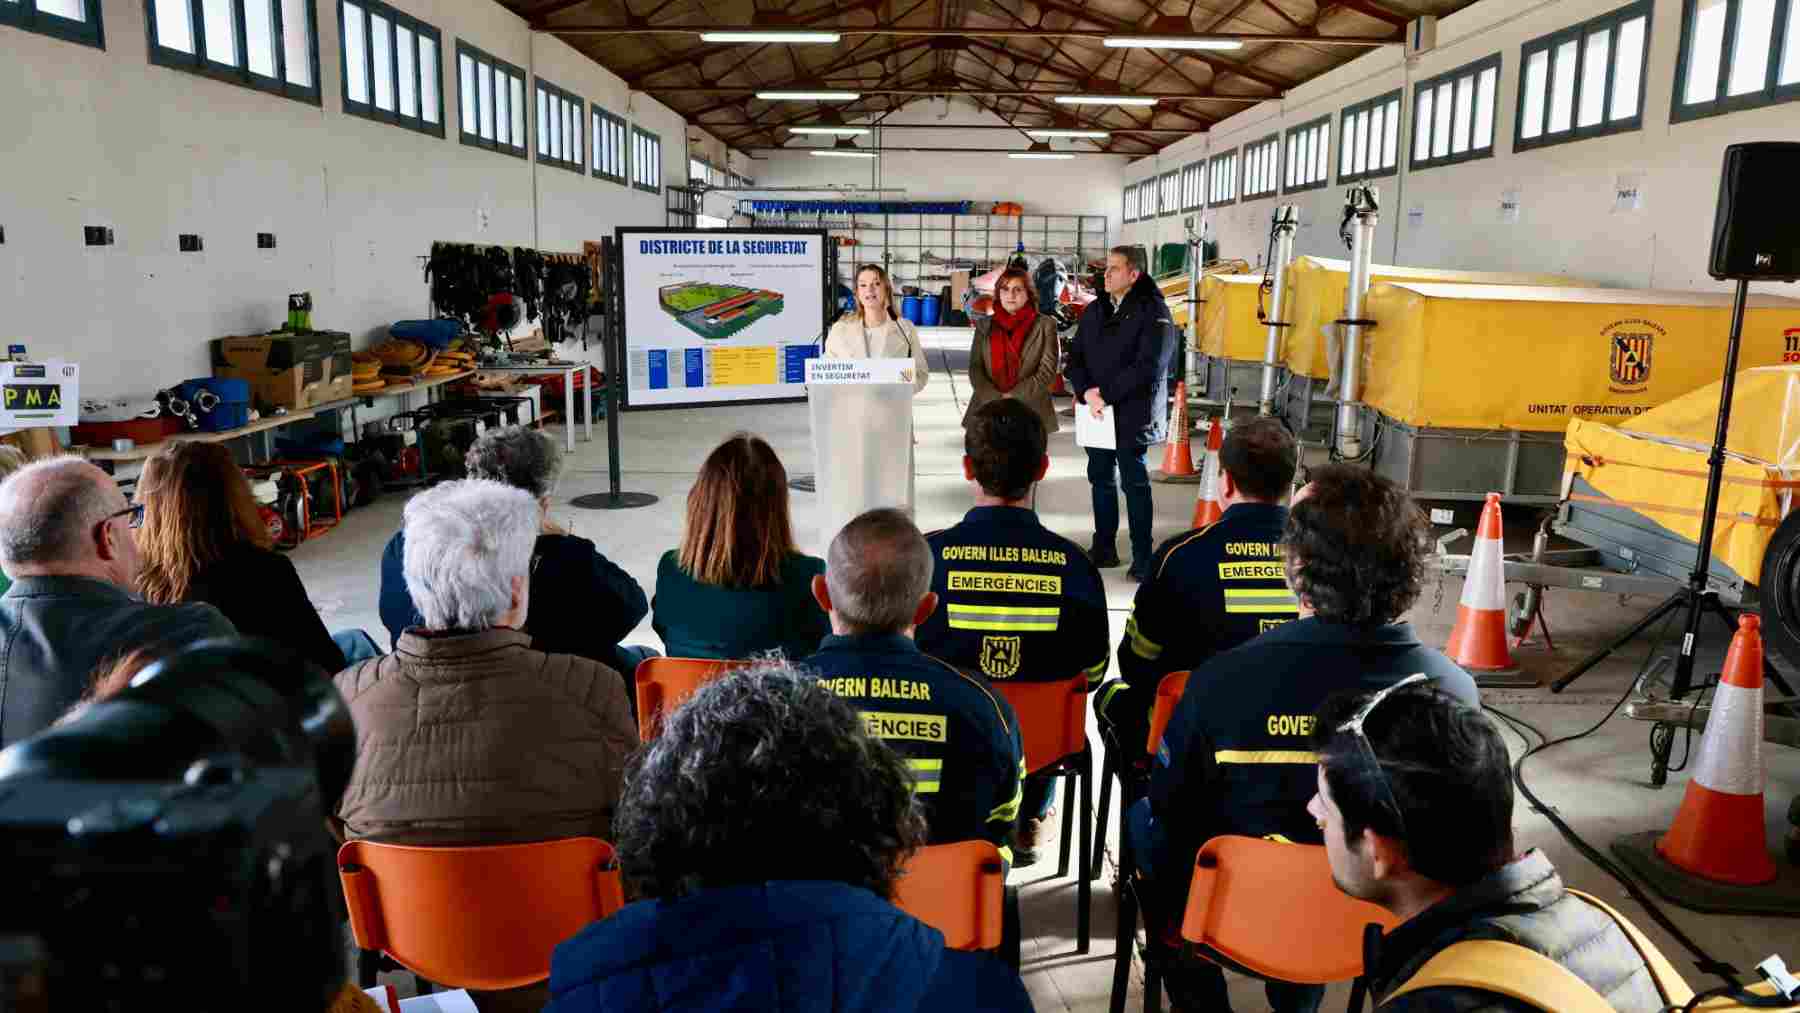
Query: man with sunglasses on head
(68, 542)
(1414, 796)
(1236, 757)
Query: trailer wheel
(1779, 590)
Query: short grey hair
(877, 569)
(465, 542)
(48, 509)
(518, 456)
(1134, 256)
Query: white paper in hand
(1095, 432)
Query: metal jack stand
(1361, 214)
(1281, 240)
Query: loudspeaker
(1756, 230)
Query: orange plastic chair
(1053, 724)
(663, 684)
(481, 917)
(958, 889)
(1168, 694)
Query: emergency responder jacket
(1017, 601)
(958, 736)
(1236, 757)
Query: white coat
(849, 339)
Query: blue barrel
(929, 309)
(909, 307)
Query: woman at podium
(873, 330)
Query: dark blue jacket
(783, 947)
(698, 620)
(1125, 351)
(581, 602)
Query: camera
(167, 847)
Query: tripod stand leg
(1668, 605)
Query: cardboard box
(288, 370)
(959, 287)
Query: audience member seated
(1235, 757)
(581, 602)
(1017, 602)
(11, 460)
(203, 541)
(959, 737)
(1210, 589)
(66, 542)
(467, 734)
(761, 836)
(1415, 800)
(738, 587)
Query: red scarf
(1006, 342)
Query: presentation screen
(713, 316)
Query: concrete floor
(1598, 784)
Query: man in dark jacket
(1017, 602)
(581, 602)
(1234, 759)
(1120, 360)
(66, 541)
(959, 737)
(1213, 588)
(1415, 800)
(763, 833)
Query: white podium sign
(862, 438)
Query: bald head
(878, 571)
(48, 512)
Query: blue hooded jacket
(782, 947)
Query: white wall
(1566, 222)
(97, 137)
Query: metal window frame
(1198, 169)
(1612, 21)
(1273, 143)
(198, 63)
(473, 138)
(1472, 70)
(1168, 185)
(1212, 177)
(369, 110)
(623, 178)
(1128, 204)
(88, 32)
(578, 167)
(656, 163)
(1722, 104)
(1347, 136)
(1287, 155)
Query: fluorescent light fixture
(1104, 100)
(1040, 149)
(1090, 135)
(1168, 42)
(839, 153)
(769, 36)
(809, 96)
(832, 131)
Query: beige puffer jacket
(475, 738)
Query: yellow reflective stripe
(1006, 854)
(1141, 645)
(1265, 756)
(1008, 812)
(927, 775)
(1252, 601)
(1096, 671)
(1003, 617)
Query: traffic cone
(1178, 454)
(1210, 506)
(1478, 641)
(1718, 832)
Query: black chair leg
(1124, 934)
(1068, 793)
(1152, 989)
(1107, 772)
(368, 966)
(1011, 929)
(1084, 888)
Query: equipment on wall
(1754, 239)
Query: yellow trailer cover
(1228, 326)
(1319, 284)
(1175, 288)
(1656, 463)
(1510, 357)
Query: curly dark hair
(1357, 547)
(764, 774)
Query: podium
(862, 431)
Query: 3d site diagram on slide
(717, 311)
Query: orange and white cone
(1178, 454)
(1718, 832)
(1210, 506)
(1478, 641)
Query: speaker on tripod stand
(1756, 237)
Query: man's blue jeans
(1133, 473)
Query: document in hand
(1095, 432)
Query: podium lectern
(862, 437)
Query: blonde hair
(738, 531)
(856, 311)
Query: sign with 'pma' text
(39, 394)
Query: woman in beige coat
(1015, 352)
(873, 330)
